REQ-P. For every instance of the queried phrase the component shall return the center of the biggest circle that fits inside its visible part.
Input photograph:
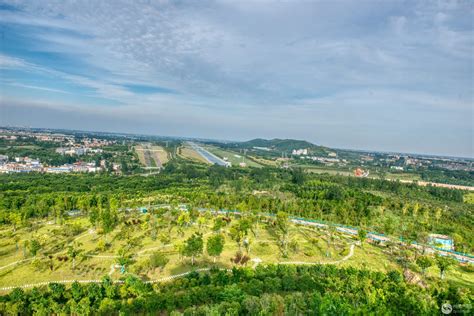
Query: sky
(374, 75)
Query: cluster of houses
(300, 152)
(78, 151)
(26, 164)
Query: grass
(141, 154)
(263, 161)
(160, 154)
(320, 170)
(403, 176)
(189, 153)
(311, 246)
(153, 156)
(469, 198)
(233, 157)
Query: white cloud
(11, 62)
(271, 61)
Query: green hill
(283, 145)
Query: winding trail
(351, 253)
(175, 276)
(16, 262)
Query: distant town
(68, 145)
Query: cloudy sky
(382, 75)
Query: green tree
(298, 176)
(215, 246)
(108, 220)
(219, 223)
(16, 238)
(362, 236)
(124, 258)
(283, 229)
(158, 260)
(331, 230)
(424, 262)
(443, 264)
(34, 246)
(94, 216)
(15, 220)
(74, 251)
(194, 246)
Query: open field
(403, 176)
(316, 169)
(93, 263)
(469, 198)
(263, 161)
(160, 155)
(143, 156)
(187, 152)
(234, 158)
(152, 156)
(441, 185)
(96, 259)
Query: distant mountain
(282, 145)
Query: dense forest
(267, 290)
(387, 207)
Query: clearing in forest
(152, 155)
(189, 153)
(233, 157)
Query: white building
(300, 152)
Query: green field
(469, 198)
(94, 261)
(233, 157)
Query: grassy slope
(231, 156)
(311, 248)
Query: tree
(458, 242)
(201, 221)
(183, 220)
(193, 246)
(297, 176)
(362, 235)
(389, 225)
(15, 220)
(331, 230)
(124, 258)
(34, 246)
(424, 262)
(218, 224)
(158, 260)
(108, 220)
(215, 246)
(17, 240)
(443, 264)
(59, 209)
(237, 235)
(74, 251)
(94, 216)
(283, 228)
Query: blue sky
(380, 75)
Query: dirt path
(171, 277)
(351, 253)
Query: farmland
(152, 155)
